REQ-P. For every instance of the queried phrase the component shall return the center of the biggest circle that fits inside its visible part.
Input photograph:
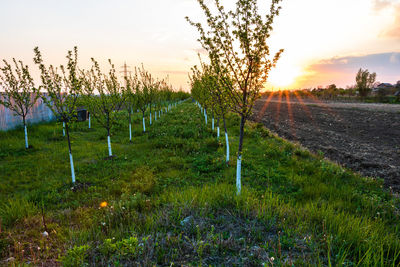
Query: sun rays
(290, 113)
(265, 106)
(291, 102)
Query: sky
(325, 41)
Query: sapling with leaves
(132, 83)
(63, 88)
(143, 93)
(20, 93)
(105, 97)
(157, 100)
(237, 43)
(153, 86)
(219, 98)
(200, 90)
(205, 86)
(164, 91)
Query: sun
(283, 76)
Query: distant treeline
(380, 93)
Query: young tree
(20, 93)
(63, 91)
(105, 106)
(158, 100)
(132, 83)
(220, 100)
(143, 93)
(236, 43)
(365, 81)
(153, 86)
(206, 86)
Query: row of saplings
(65, 88)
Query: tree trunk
(218, 128)
(150, 113)
(63, 128)
(205, 115)
(239, 157)
(130, 126)
(144, 125)
(108, 136)
(109, 143)
(26, 133)
(71, 160)
(89, 122)
(226, 140)
(212, 122)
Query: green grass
(171, 199)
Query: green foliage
(365, 81)
(104, 95)
(124, 248)
(63, 88)
(18, 88)
(237, 45)
(143, 180)
(76, 256)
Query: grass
(171, 199)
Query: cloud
(381, 4)
(395, 58)
(342, 70)
(394, 30)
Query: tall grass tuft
(15, 210)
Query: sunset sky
(325, 41)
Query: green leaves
(62, 85)
(103, 93)
(365, 81)
(19, 88)
(236, 43)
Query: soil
(363, 137)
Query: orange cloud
(394, 30)
(342, 70)
(381, 4)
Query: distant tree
(237, 42)
(63, 91)
(161, 96)
(104, 97)
(20, 93)
(132, 83)
(331, 91)
(206, 87)
(332, 87)
(143, 93)
(365, 81)
(153, 94)
(398, 92)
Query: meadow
(169, 198)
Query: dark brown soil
(365, 139)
